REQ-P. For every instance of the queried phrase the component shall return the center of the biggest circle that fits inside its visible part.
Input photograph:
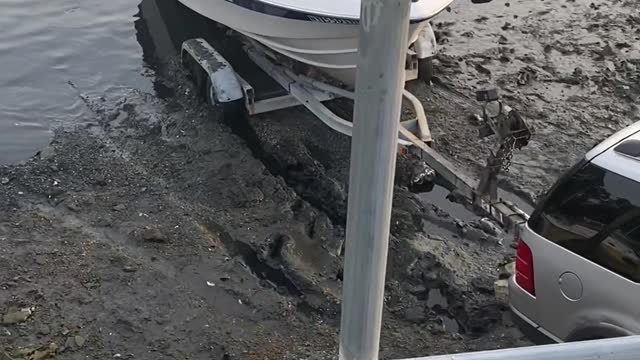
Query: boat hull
(328, 45)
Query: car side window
(595, 213)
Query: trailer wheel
(197, 74)
(233, 111)
(210, 94)
(425, 70)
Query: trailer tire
(233, 111)
(425, 70)
(197, 74)
(210, 97)
(201, 80)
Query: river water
(50, 51)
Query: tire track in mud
(176, 264)
(257, 263)
(440, 278)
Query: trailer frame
(227, 88)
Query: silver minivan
(578, 258)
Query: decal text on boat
(331, 20)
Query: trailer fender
(426, 45)
(225, 86)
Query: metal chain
(510, 145)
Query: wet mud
(570, 68)
(189, 246)
(161, 229)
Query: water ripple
(45, 44)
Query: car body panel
(594, 301)
(620, 164)
(613, 140)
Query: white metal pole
(384, 29)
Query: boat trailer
(217, 81)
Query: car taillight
(524, 268)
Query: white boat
(323, 34)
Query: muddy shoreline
(153, 229)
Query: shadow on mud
(255, 262)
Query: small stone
(153, 235)
(44, 329)
(105, 221)
(418, 289)
(503, 40)
(14, 317)
(488, 226)
(507, 270)
(79, 340)
(40, 260)
(435, 329)
(44, 354)
(610, 65)
(606, 51)
(483, 285)
(64, 331)
(482, 70)
(73, 207)
(119, 118)
(4, 181)
(415, 314)
(129, 269)
(26, 351)
(47, 153)
(501, 288)
(225, 278)
(70, 344)
(100, 182)
(435, 238)
(119, 207)
(630, 67)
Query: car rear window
(594, 213)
